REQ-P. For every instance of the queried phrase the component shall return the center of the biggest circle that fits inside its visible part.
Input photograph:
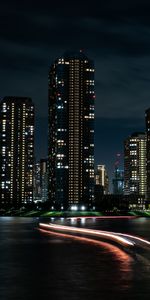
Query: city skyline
(75, 149)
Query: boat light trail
(134, 237)
(110, 235)
(117, 233)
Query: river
(36, 265)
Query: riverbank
(39, 213)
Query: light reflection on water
(123, 260)
(38, 265)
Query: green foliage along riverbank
(39, 213)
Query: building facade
(147, 119)
(37, 182)
(43, 179)
(16, 150)
(135, 178)
(71, 131)
(40, 180)
(118, 181)
(101, 178)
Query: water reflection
(37, 265)
(122, 259)
(83, 221)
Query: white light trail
(105, 234)
(134, 237)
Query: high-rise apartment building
(43, 179)
(40, 180)
(71, 131)
(37, 182)
(147, 118)
(101, 178)
(16, 150)
(135, 164)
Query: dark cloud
(114, 33)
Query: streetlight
(82, 207)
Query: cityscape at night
(74, 150)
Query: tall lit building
(16, 150)
(147, 118)
(71, 131)
(118, 181)
(43, 179)
(135, 164)
(40, 180)
(37, 182)
(118, 178)
(101, 178)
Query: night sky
(115, 34)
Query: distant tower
(118, 180)
(71, 131)
(36, 182)
(43, 179)
(101, 178)
(135, 164)
(16, 150)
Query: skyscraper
(135, 164)
(16, 150)
(43, 178)
(37, 182)
(118, 181)
(147, 119)
(71, 131)
(40, 180)
(101, 178)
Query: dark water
(34, 265)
